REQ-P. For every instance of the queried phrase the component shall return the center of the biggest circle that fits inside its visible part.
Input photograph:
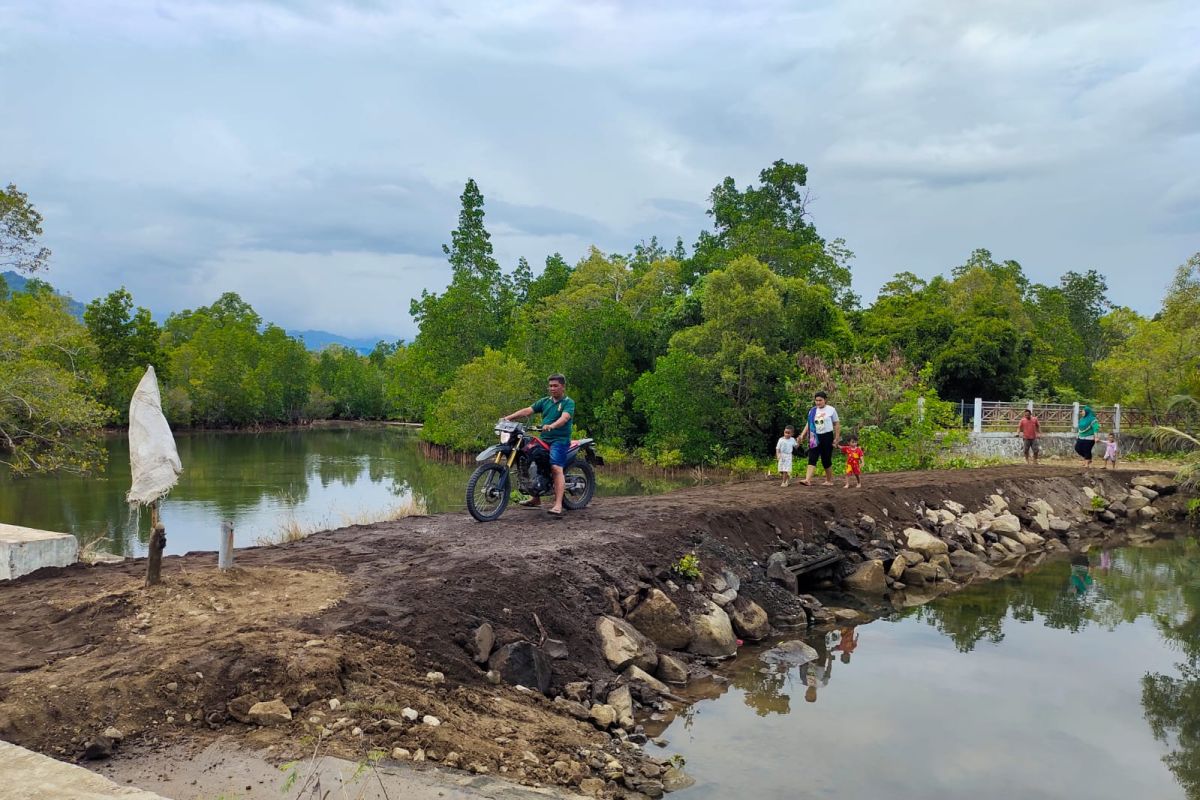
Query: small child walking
(783, 451)
(1110, 451)
(854, 459)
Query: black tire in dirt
(487, 492)
(580, 473)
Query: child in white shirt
(783, 451)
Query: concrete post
(1029, 406)
(978, 423)
(225, 553)
(920, 409)
(1075, 417)
(1117, 418)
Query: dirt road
(360, 615)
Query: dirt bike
(522, 453)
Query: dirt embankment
(369, 634)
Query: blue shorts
(558, 453)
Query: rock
(113, 733)
(400, 754)
(272, 712)
(1160, 483)
(868, 577)
(419, 755)
(522, 664)
(897, 568)
(493, 677)
(969, 523)
(334, 704)
(997, 504)
(919, 574)
(622, 644)
(1149, 512)
(659, 619)
(912, 556)
(958, 509)
(1107, 517)
(431, 721)
(1041, 523)
(1119, 508)
(845, 538)
(1031, 540)
(924, 543)
(942, 562)
(718, 583)
(732, 581)
(712, 633)
(410, 714)
(638, 674)
(622, 701)
(674, 779)
(1146, 492)
(239, 707)
(1005, 523)
(866, 523)
(1040, 506)
(778, 572)
(592, 787)
(945, 517)
(603, 716)
(571, 707)
(724, 598)
(435, 677)
(964, 563)
(579, 691)
(1059, 525)
(555, 649)
(790, 654)
(99, 748)
(749, 620)
(1136, 503)
(671, 670)
(484, 640)
(931, 516)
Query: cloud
(270, 144)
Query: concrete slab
(22, 550)
(27, 775)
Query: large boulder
(1159, 483)
(924, 543)
(749, 619)
(658, 617)
(964, 564)
(919, 574)
(898, 566)
(638, 675)
(1136, 503)
(603, 715)
(712, 633)
(522, 664)
(622, 702)
(969, 523)
(671, 670)
(483, 640)
(1005, 523)
(777, 571)
(868, 577)
(622, 645)
(958, 509)
(1040, 506)
(272, 712)
(790, 654)
(1031, 540)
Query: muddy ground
(361, 616)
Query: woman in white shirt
(824, 431)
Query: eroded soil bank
(378, 640)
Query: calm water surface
(264, 482)
(1064, 684)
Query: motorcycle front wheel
(487, 492)
(580, 481)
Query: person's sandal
(533, 502)
(554, 513)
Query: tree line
(684, 355)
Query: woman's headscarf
(1087, 420)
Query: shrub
(687, 567)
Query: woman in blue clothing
(1089, 429)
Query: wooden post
(158, 543)
(225, 553)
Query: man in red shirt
(1028, 429)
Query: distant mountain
(319, 340)
(17, 283)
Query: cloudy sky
(309, 154)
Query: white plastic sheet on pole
(153, 458)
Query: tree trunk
(158, 543)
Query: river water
(1071, 682)
(265, 483)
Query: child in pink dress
(1110, 452)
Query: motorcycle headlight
(505, 436)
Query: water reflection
(1027, 687)
(264, 482)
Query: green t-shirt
(551, 411)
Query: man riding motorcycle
(557, 411)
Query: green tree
(771, 223)
(49, 417)
(482, 391)
(20, 232)
(128, 342)
(353, 384)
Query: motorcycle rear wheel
(487, 492)
(581, 474)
